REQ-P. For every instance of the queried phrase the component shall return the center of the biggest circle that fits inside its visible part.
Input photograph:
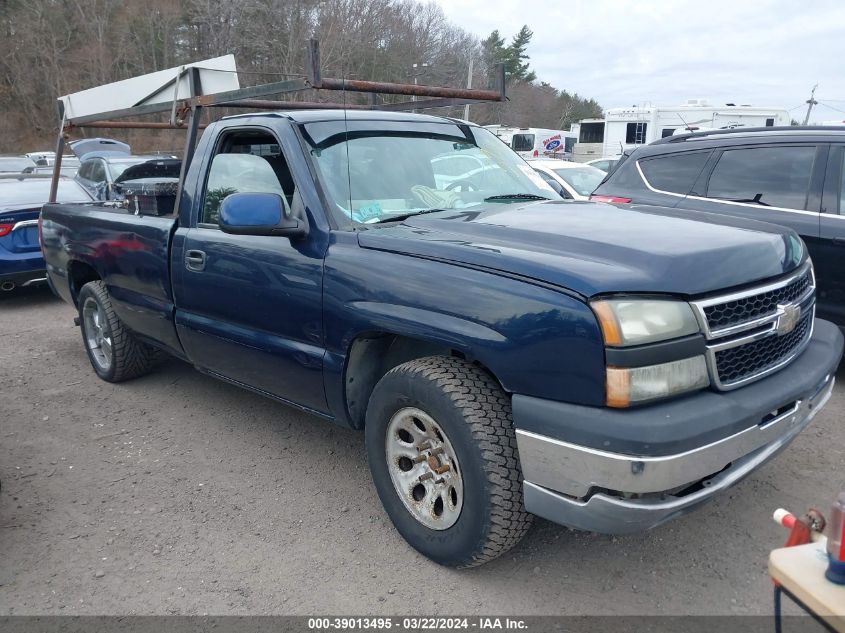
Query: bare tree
(53, 47)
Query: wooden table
(800, 573)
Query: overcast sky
(762, 52)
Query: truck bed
(130, 253)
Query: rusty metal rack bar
(439, 97)
(132, 125)
(185, 113)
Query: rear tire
(115, 354)
(441, 411)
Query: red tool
(805, 529)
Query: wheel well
(374, 354)
(80, 274)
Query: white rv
(535, 142)
(626, 128)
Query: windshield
(388, 168)
(583, 180)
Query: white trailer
(626, 128)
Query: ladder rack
(185, 112)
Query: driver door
(250, 307)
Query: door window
(98, 171)
(676, 173)
(85, 170)
(769, 176)
(249, 162)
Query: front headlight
(633, 321)
(634, 385)
(630, 321)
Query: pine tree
(516, 63)
(493, 49)
(513, 55)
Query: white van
(535, 142)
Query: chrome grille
(753, 333)
(746, 309)
(737, 363)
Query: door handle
(195, 260)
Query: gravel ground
(176, 493)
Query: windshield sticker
(367, 212)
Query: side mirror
(559, 190)
(258, 214)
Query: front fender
(536, 340)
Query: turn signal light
(5, 229)
(632, 385)
(610, 199)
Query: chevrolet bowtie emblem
(788, 317)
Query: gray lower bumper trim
(575, 470)
(615, 515)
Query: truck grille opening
(662, 495)
(748, 333)
(735, 364)
(755, 306)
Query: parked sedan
(21, 197)
(572, 181)
(792, 176)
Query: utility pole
(810, 103)
(469, 85)
(417, 73)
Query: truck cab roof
(313, 116)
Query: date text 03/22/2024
(417, 623)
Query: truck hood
(592, 248)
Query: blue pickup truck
(505, 352)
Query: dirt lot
(177, 493)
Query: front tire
(442, 452)
(115, 354)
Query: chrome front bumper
(598, 491)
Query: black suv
(793, 176)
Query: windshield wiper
(515, 196)
(405, 216)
